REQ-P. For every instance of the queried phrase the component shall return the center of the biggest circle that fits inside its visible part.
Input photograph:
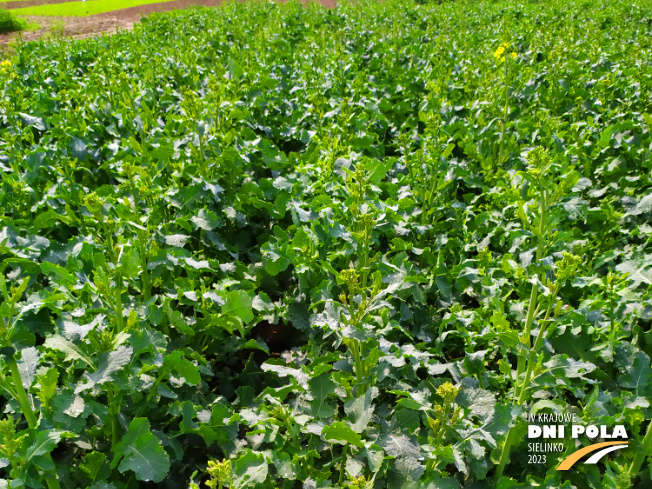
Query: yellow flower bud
(448, 392)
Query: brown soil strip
(73, 27)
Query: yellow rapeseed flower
(6, 63)
(499, 52)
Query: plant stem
(343, 466)
(7, 387)
(611, 315)
(363, 369)
(502, 125)
(109, 242)
(114, 419)
(118, 301)
(359, 389)
(143, 260)
(154, 389)
(203, 168)
(504, 454)
(646, 449)
(537, 345)
(523, 388)
(527, 363)
(365, 264)
(52, 482)
(532, 307)
(21, 395)
(526, 338)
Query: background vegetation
(9, 22)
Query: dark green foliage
(276, 246)
(9, 22)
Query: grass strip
(82, 9)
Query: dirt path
(73, 27)
(83, 27)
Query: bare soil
(94, 25)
